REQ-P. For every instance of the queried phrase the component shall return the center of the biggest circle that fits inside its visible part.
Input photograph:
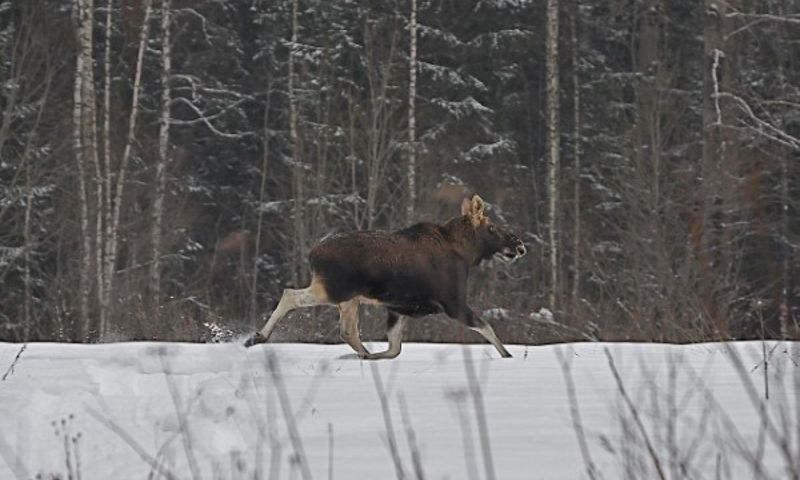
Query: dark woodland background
(165, 166)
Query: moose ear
(466, 206)
(477, 206)
(473, 208)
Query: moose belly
(375, 268)
(414, 309)
(404, 303)
(406, 295)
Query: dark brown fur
(416, 271)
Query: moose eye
(492, 229)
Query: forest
(166, 165)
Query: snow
(130, 401)
(543, 315)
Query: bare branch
(480, 413)
(203, 118)
(575, 413)
(286, 407)
(387, 420)
(14, 362)
(715, 76)
(762, 126)
(636, 418)
(791, 19)
(127, 438)
(183, 427)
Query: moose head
(489, 239)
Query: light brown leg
(311, 296)
(395, 336)
(348, 323)
(477, 324)
(488, 333)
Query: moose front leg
(477, 324)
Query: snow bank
(215, 409)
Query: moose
(413, 272)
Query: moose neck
(461, 235)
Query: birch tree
(298, 214)
(81, 139)
(412, 116)
(261, 197)
(163, 160)
(576, 193)
(713, 236)
(103, 205)
(119, 187)
(553, 148)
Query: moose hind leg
(348, 324)
(394, 334)
(290, 300)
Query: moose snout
(514, 246)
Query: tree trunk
(163, 161)
(260, 213)
(708, 171)
(553, 151)
(83, 76)
(297, 166)
(89, 129)
(112, 238)
(644, 185)
(412, 118)
(647, 132)
(576, 194)
(786, 250)
(718, 166)
(28, 301)
(105, 204)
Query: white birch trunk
(163, 160)
(83, 63)
(553, 152)
(112, 238)
(104, 205)
(412, 118)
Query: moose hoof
(505, 354)
(255, 340)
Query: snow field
(222, 411)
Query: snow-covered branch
(204, 118)
(762, 126)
